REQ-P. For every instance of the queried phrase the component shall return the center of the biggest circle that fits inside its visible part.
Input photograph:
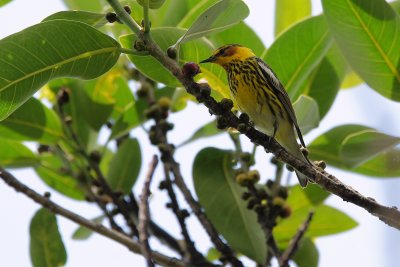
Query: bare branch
(98, 228)
(144, 213)
(294, 243)
(158, 134)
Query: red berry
(190, 69)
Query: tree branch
(389, 215)
(293, 245)
(144, 214)
(98, 228)
(158, 137)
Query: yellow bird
(258, 92)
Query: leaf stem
(146, 16)
(133, 52)
(124, 16)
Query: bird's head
(228, 53)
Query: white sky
(371, 244)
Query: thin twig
(98, 228)
(159, 133)
(154, 229)
(294, 243)
(144, 213)
(80, 148)
(192, 256)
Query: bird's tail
(288, 140)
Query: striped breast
(253, 94)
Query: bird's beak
(210, 59)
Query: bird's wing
(271, 78)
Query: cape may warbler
(258, 92)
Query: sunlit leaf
(217, 190)
(153, 4)
(46, 246)
(326, 79)
(241, 34)
(4, 2)
(217, 18)
(296, 52)
(16, 155)
(288, 12)
(32, 57)
(93, 19)
(351, 80)
(367, 32)
(194, 10)
(174, 13)
(85, 5)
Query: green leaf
(74, 108)
(351, 80)
(32, 57)
(4, 2)
(193, 51)
(84, 5)
(315, 194)
(242, 34)
(396, 6)
(95, 20)
(180, 98)
(16, 155)
(359, 147)
(153, 4)
(307, 255)
(367, 32)
(326, 79)
(386, 164)
(165, 37)
(217, 191)
(125, 109)
(307, 113)
(83, 233)
(207, 130)
(173, 13)
(326, 220)
(108, 94)
(296, 52)
(217, 18)
(55, 174)
(33, 122)
(46, 246)
(288, 12)
(125, 166)
(194, 10)
(328, 147)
